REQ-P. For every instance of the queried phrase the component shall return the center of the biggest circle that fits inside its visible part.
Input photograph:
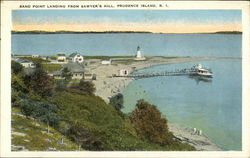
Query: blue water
(214, 106)
(223, 45)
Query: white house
(76, 57)
(28, 64)
(61, 58)
(107, 62)
(77, 70)
(35, 56)
(25, 63)
(123, 72)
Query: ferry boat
(200, 71)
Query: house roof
(20, 60)
(60, 54)
(74, 67)
(74, 54)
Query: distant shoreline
(75, 32)
(116, 32)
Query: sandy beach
(185, 134)
(107, 86)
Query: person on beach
(194, 131)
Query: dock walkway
(178, 72)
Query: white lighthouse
(139, 55)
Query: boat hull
(209, 75)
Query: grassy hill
(87, 122)
(104, 127)
(32, 134)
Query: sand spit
(107, 86)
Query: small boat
(200, 71)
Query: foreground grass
(32, 135)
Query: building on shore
(61, 58)
(139, 55)
(35, 56)
(76, 57)
(123, 72)
(106, 62)
(25, 63)
(77, 70)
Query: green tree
(16, 67)
(18, 84)
(16, 97)
(149, 124)
(117, 101)
(66, 74)
(39, 82)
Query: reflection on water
(199, 79)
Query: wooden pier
(164, 73)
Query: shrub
(117, 101)
(16, 97)
(66, 74)
(84, 138)
(16, 67)
(61, 85)
(84, 87)
(149, 123)
(46, 112)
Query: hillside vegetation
(86, 121)
(32, 134)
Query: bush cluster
(84, 87)
(117, 101)
(149, 124)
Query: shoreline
(107, 86)
(186, 135)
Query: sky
(158, 21)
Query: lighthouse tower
(138, 52)
(139, 55)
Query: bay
(220, 45)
